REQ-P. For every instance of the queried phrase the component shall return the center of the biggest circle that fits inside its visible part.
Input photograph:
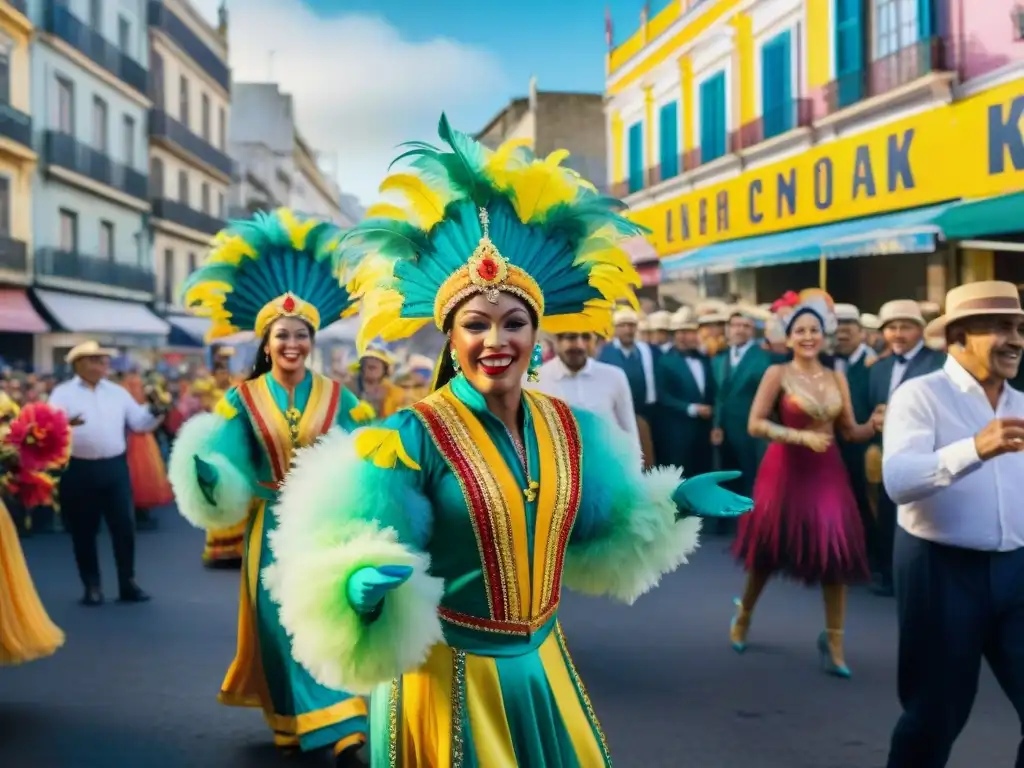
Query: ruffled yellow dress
(26, 631)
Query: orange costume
(150, 487)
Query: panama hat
(660, 320)
(870, 322)
(625, 315)
(986, 297)
(88, 349)
(847, 313)
(900, 309)
(683, 320)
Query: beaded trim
(458, 704)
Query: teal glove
(207, 477)
(368, 586)
(702, 496)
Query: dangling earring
(536, 361)
(455, 361)
(266, 356)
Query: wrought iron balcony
(65, 151)
(179, 213)
(162, 18)
(15, 124)
(13, 254)
(164, 126)
(888, 73)
(71, 265)
(798, 113)
(80, 36)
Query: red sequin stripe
(476, 502)
(492, 625)
(332, 409)
(571, 431)
(268, 437)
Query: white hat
(847, 313)
(660, 320)
(870, 322)
(88, 349)
(624, 315)
(711, 307)
(986, 297)
(713, 318)
(750, 312)
(683, 320)
(900, 309)
(419, 362)
(643, 325)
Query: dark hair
(791, 321)
(262, 363)
(445, 369)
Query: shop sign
(973, 148)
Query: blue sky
(368, 74)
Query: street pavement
(135, 686)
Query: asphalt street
(135, 686)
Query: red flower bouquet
(33, 489)
(41, 436)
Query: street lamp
(1017, 18)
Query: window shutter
(669, 137)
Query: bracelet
(782, 434)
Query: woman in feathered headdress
(423, 560)
(274, 276)
(805, 524)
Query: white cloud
(359, 88)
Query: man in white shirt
(954, 463)
(96, 482)
(574, 376)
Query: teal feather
(465, 164)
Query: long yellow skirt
(26, 632)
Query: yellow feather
(503, 161)
(614, 257)
(539, 187)
(554, 159)
(426, 204)
(362, 412)
(403, 328)
(297, 231)
(225, 409)
(380, 308)
(372, 272)
(386, 211)
(230, 249)
(384, 447)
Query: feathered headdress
(273, 265)
(482, 221)
(820, 304)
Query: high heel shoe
(830, 647)
(738, 627)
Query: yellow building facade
(770, 140)
(17, 158)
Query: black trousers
(885, 536)
(955, 608)
(91, 490)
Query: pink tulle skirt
(805, 523)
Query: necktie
(901, 359)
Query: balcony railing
(79, 35)
(164, 126)
(15, 125)
(798, 113)
(179, 213)
(13, 254)
(887, 74)
(53, 262)
(160, 17)
(64, 151)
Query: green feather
(465, 164)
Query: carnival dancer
(146, 469)
(805, 523)
(273, 276)
(372, 381)
(33, 445)
(423, 559)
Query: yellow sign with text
(972, 148)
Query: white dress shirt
(106, 412)
(898, 368)
(842, 366)
(931, 468)
(597, 387)
(736, 353)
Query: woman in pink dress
(805, 524)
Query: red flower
(289, 304)
(488, 269)
(41, 436)
(33, 489)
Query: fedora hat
(900, 309)
(683, 320)
(660, 320)
(88, 349)
(625, 316)
(847, 313)
(870, 322)
(986, 297)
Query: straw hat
(625, 315)
(712, 307)
(847, 313)
(644, 325)
(870, 322)
(88, 349)
(901, 309)
(660, 320)
(986, 297)
(713, 318)
(683, 320)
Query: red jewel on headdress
(488, 269)
(289, 304)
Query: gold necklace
(530, 491)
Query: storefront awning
(187, 331)
(91, 314)
(913, 231)
(984, 218)
(17, 315)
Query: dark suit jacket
(677, 433)
(880, 374)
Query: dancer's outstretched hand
(703, 496)
(368, 586)
(207, 477)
